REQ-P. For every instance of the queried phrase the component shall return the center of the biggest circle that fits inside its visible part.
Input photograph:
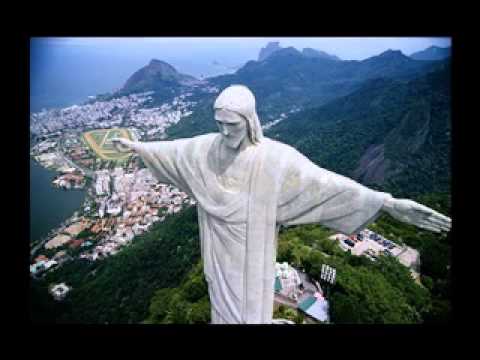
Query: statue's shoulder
(205, 138)
(201, 140)
(199, 145)
(275, 148)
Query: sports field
(100, 142)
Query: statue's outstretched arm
(311, 194)
(411, 212)
(161, 158)
(123, 145)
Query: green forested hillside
(365, 291)
(432, 53)
(186, 304)
(287, 80)
(119, 288)
(395, 135)
(435, 253)
(159, 279)
(200, 122)
(382, 291)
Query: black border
(461, 149)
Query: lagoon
(49, 206)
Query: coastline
(38, 243)
(120, 199)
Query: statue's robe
(239, 217)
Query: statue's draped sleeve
(311, 194)
(161, 158)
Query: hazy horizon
(64, 71)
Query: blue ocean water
(49, 206)
(64, 73)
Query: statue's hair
(239, 99)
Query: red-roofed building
(76, 243)
(41, 258)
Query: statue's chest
(233, 175)
(233, 179)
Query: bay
(49, 206)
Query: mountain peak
(286, 51)
(268, 50)
(432, 53)
(392, 53)
(153, 75)
(274, 47)
(388, 56)
(435, 48)
(154, 62)
(309, 52)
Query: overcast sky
(347, 48)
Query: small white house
(59, 291)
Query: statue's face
(232, 126)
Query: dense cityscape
(123, 199)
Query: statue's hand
(123, 145)
(411, 212)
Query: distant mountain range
(288, 79)
(268, 50)
(307, 76)
(272, 47)
(432, 53)
(384, 121)
(309, 52)
(388, 133)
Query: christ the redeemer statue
(246, 186)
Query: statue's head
(236, 116)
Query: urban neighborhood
(122, 198)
